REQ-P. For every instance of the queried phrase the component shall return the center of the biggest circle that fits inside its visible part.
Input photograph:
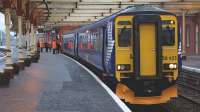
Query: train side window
(168, 36)
(124, 37)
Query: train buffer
(56, 84)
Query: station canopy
(79, 12)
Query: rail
(189, 91)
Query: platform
(55, 84)
(192, 63)
(14, 56)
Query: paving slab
(55, 84)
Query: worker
(41, 46)
(46, 46)
(49, 45)
(58, 47)
(38, 46)
(54, 45)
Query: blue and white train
(136, 47)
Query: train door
(123, 47)
(147, 47)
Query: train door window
(82, 41)
(124, 37)
(168, 36)
(65, 45)
(71, 44)
(85, 41)
(95, 41)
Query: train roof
(136, 9)
(143, 8)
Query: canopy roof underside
(79, 12)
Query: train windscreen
(168, 36)
(124, 35)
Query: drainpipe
(183, 35)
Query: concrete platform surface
(192, 61)
(55, 84)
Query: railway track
(189, 92)
(188, 98)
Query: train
(137, 47)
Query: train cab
(146, 57)
(136, 49)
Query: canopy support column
(32, 40)
(28, 38)
(9, 61)
(20, 37)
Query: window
(168, 36)
(65, 45)
(94, 41)
(71, 44)
(188, 37)
(124, 23)
(85, 41)
(124, 37)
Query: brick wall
(191, 22)
(67, 28)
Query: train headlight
(172, 66)
(123, 67)
(118, 67)
(175, 66)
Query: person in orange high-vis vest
(54, 46)
(49, 45)
(38, 46)
(41, 46)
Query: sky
(2, 23)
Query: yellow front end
(123, 52)
(125, 47)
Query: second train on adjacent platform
(136, 47)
